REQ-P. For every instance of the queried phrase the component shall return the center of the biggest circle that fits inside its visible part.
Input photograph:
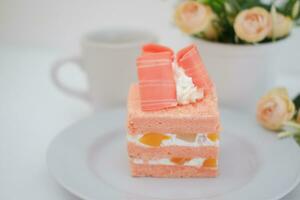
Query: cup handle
(83, 95)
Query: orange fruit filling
(179, 160)
(187, 137)
(210, 162)
(213, 136)
(153, 139)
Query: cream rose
(253, 25)
(281, 25)
(193, 17)
(274, 109)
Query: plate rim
(119, 111)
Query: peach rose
(281, 25)
(193, 17)
(253, 25)
(274, 109)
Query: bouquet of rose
(237, 21)
(277, 112)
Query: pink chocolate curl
(190, 60)
(156, 82)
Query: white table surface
(33, 111)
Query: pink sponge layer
(145, 153)
(142, 170)
(200, 117)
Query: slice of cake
(173, 119)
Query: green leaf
(296, 102)
(298, 22)
(295, 9)
(285, 134)
(297, 138)
(291, 8)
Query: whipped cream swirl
(186, 91)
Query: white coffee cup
(108, 60)
(242, 73)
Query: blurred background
(59, 24)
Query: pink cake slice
(166, 138)
(199, 117)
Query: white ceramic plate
(89, 159)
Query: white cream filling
(196, 162)
(201, 140)
(186, 91)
